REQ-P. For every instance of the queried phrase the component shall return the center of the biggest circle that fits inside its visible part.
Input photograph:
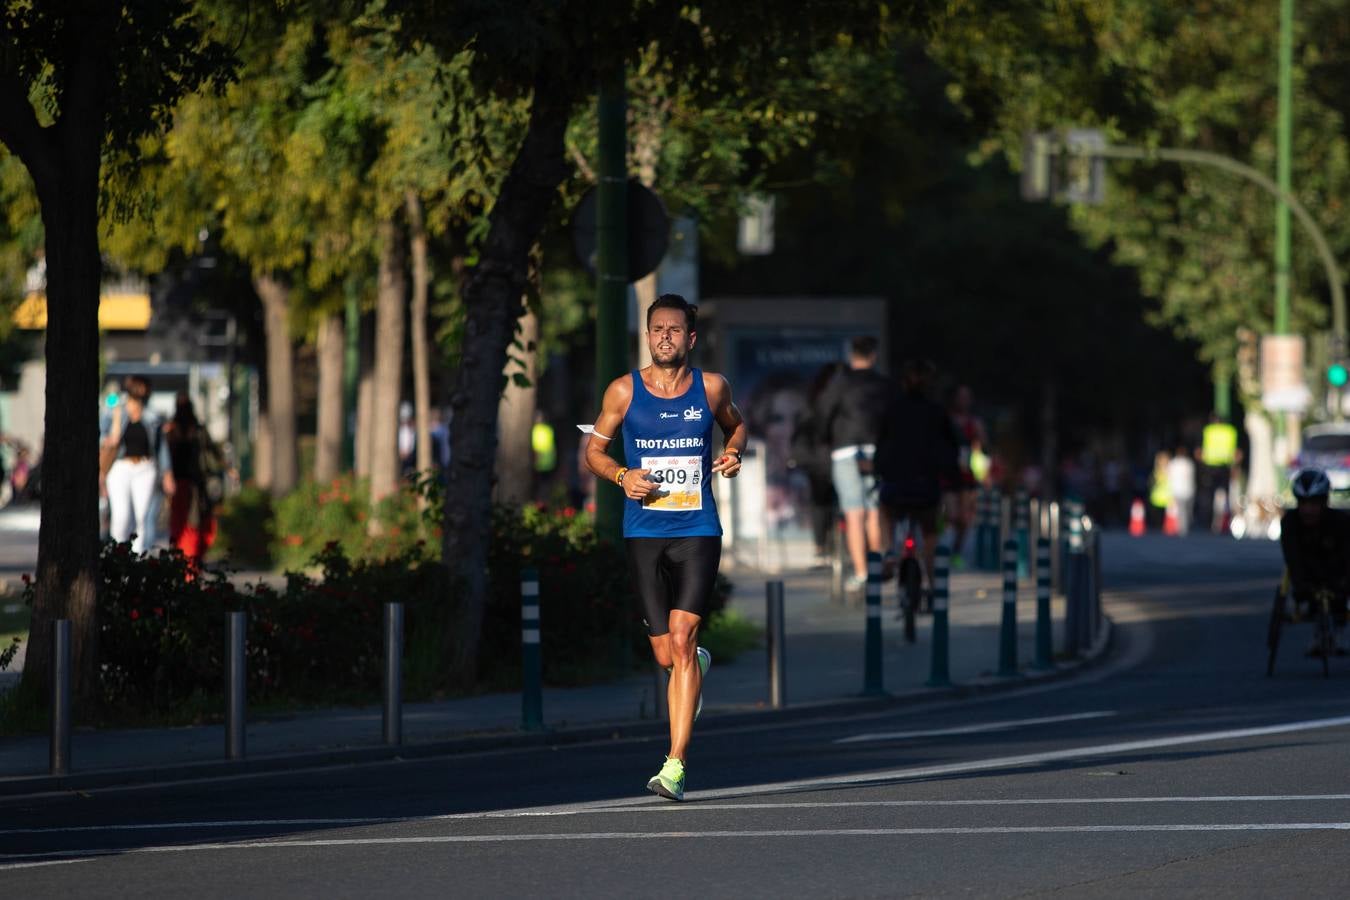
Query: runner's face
(669, 338)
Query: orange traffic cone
(1137, 518)
(1170, 521)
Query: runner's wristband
(618, 476)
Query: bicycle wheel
(911, 594)
(1273, 631)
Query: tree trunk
(515, 415)
(421, 348)
(332, 348)
(365, 395)
(276, 301)
(492, 301)
(262, 445)
(67, 567)
(388, 376)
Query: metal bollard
(531, 663)
(1076, 586)
(61, 694)
(236, 684)
(1022, 518)
(1056, 574)
(1045, 642)
(1036, 514)
(775, 626)
(1007, 648)
(1005, 526)
(939, 674)
(872, 683)
(393, 673)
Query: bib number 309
(679, 483)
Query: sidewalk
(824, 664)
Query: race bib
(679, 483)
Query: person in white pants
(141, 465)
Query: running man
(670, 525)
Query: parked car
(1327, 447)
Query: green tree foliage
(1199, 76)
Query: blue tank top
(673, 438)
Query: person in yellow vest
(545, 446)
(1218, 452)
(1160, 494)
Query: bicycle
(1285, 612)
(911, 579)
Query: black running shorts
(673, 573)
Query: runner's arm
(612, 409)
(732, 422)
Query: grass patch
(728, 634)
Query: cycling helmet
(1312, 484)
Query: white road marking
(979, 765)
(972, 729)
(667, 809)
(675, 835)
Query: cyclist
(916, 457)
(1315, 540)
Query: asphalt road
(1176, 769)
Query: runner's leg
(693, 563)
(685, 680)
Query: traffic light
(1337, 374)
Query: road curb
(19, 786)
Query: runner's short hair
(864, 345)
(675, 301)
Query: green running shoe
(669, 782)
(704, 663)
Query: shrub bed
(318, 638)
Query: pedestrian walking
(1160, 492)
(137, 464)
(1218, 452)
(194, 461)
(850, 410)
(672, 535)
(1181, 484)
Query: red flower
(27, 579)
(135, 614)
(568, 512)
(159, 611)
(294, 540)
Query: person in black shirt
(848, 413)
(917, 457)
(131, 432)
